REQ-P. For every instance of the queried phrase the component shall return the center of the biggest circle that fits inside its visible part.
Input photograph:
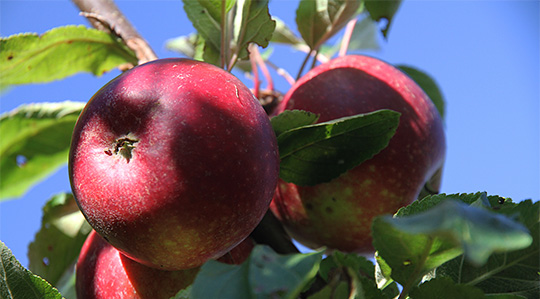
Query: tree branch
(104, 15)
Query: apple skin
(102, 272)
(174, 162)
(338, 214)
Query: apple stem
(262, 65)
(314, 59)
(347, 34)
(303, 65)
(124, 147)
(282, 72)
(255, 71)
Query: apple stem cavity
(124, 146)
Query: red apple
(338, 214)
(103, 272)
(174, 162)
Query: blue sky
(483, 54)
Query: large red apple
(104, 273)
(338, 214)
(173, 162)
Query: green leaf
(291, 119)
(318, 153)
(57, 244)
(35, 142)
(363, 37)
(353, 268)
(183, 294)
(318, 21)
(284, 35)
(183, 44)
(17, 282)
(59, 53)
(264, 274)
(252, 24)
(444, 288)
(508, 273)
(414, 245)
(202, 15)
(429, 86)
(383, 9)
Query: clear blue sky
(484, 55)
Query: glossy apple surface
(104, 273)
(338, 214)
(173, 162)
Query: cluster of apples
(175, 162)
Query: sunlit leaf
(17, 282)
(56, 246)
(35, 142)
(284, 35)
(59, 53)
(252, 24)
(318, 21)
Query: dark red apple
(173, 162)
(103, 272)
(338, 214)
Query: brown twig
(104, 15)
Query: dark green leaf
(16, 282)
(318, 21)
(429, 86)
(57, 245)
(318, 153)
(35, 142)
(515, 272)
(338, 291)
(429, 202)
(357, 263)
(264, 274)
(59, 53)
(252, 24)
(356, 269)
(444, 288)
(383, 9)
(292, 119)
